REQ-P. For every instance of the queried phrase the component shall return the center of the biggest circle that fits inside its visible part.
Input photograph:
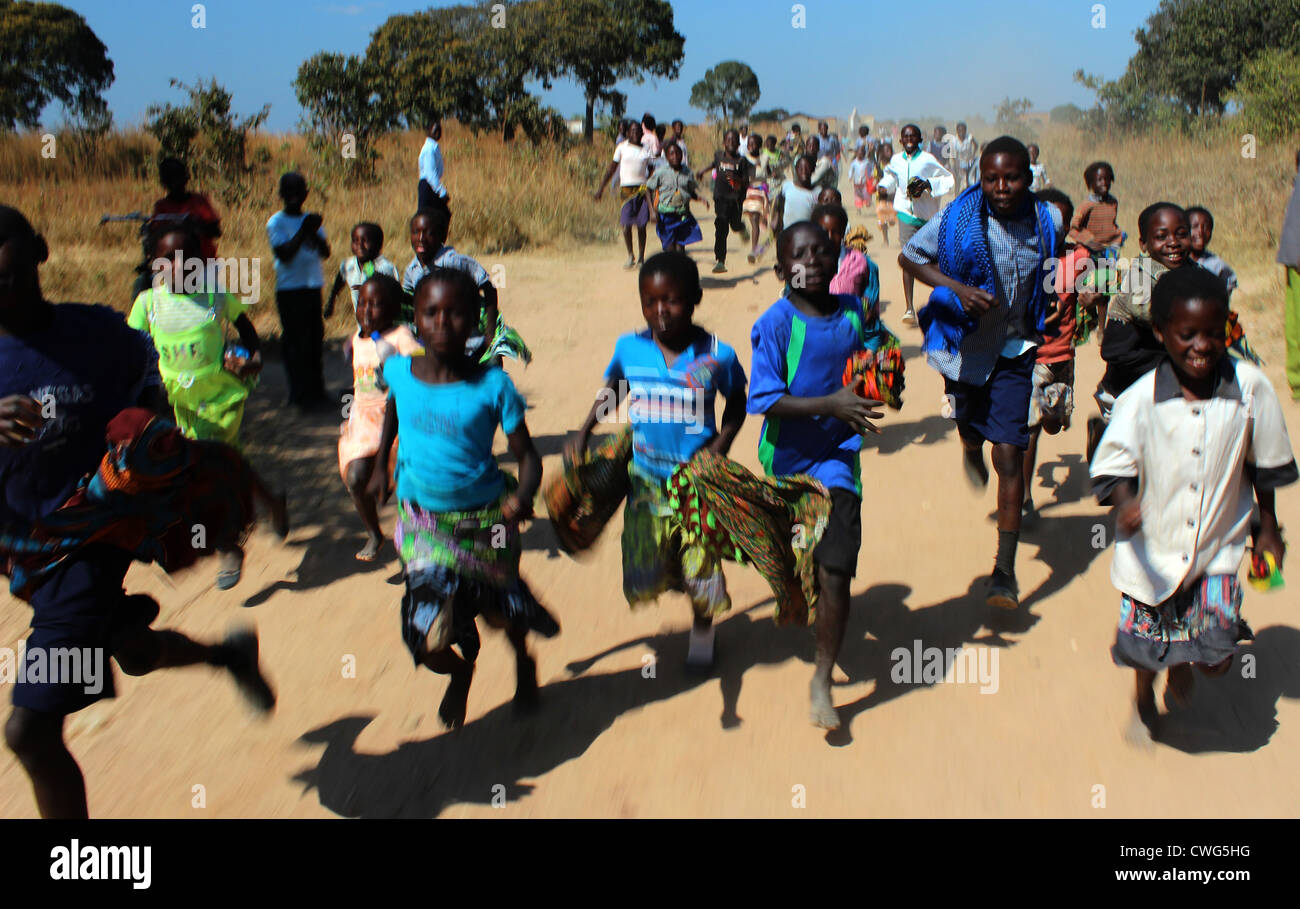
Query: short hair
(1187, 283)
(370, 227)
(172, 167)
(648, 120)
(466, 290)
(730, 131)
(821, 123)
(391, 290)
(677, 123)
(16, 229)
(1200, 210)
(835, 193)
(439, 218)
(1148, 213)
(678, 267)
(292, 180)
(1033, 145)
(962, 123)
(432, 120)
(1052, 195)
(1094, 167)
(907, 127)
(834, 210)
(1006, 145)
(783, 241)
(863, 129)
(796, 128)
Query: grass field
(515, 196)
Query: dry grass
(515, 196)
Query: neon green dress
(189, 332)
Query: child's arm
(287, 250)
(604, 181)
(612, 389)
(975, 300)
(1269, 536)
(732, 419)
(339, 284)
(844, 404)
(778, 213)
(519, 507)
(378, 485)
(1077, 231)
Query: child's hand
(1269, 539)
(917, 187)
(312, 222)
(252, 366)
(974, 300)
(848, 405)
(20, 418)
(512, 509)
(575, 450)
(1128, 517)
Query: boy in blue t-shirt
(66, 370)
(300, 247)
(813, 423)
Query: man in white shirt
(431, 191)
(917, 180)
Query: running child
(986, 255)
(679, 137)
(886, 217)
(755, 205)
(494, 338)
(862, 175)
(732, 176)
(458, 514)
(366, 260)
(1040, 181)
(300, 246)
(378, 337)
(1095, 227)
(1051, 398)
(813, 422)
(1204, 421)
(632, 161)
(688, 507)
(796, 199)
(673, 187)
(1200, 225)
(86, 362)
(916, 180)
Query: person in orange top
(175, 178)
(1094, 226)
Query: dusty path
(623, 731)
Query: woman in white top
(632, 160)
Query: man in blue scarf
(990, 256)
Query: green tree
(49, 53)
(339, 100)
(730, 89)
(1066, 113)
(1267, 93)
(597, 43)
(220, 156)
(769, 115)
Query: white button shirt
(1189, 459)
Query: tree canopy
(49, 53)
(729, 89)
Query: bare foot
(823, 713)
(1178, 685)
(1141, 729)
(370, 551)
(455, 702)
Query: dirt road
(624, 732)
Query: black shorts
(80, 609)
(841, 541)
(998, 410)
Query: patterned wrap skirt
(1201, 624)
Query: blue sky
(849, 54)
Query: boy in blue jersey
(813, 423)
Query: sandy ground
(624, 732)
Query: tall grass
(508, 197)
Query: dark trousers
(726, 215)
(302, 335)
(427, 198)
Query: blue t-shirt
(84, 367)
(805, 357)
(445, 435)
(304, 269)
(670, 407)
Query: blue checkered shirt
(1004, 330)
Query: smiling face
(373, 313)
(1168, 239)
(731, 142)
(806, 259)
(673, 155)
(812, 146)
(444, 319)
(803, 170)
(911, 139)
(1101, 181)
(666, 307)
(364, 245)
(1194, 337)
(1200, 231)
(753, 146)
(634, 133)
(1005, 181)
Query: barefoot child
(673, 187)
(458, 514)
(90, 365)
(1095, 227)
(378, 305)
(1204, 421)
(755, 205)
(733, 176)
(862, 174)
(985, 255)
(812, 422)
(1041, 180)
(886, 217)
(493, 338)
(367, 244)
(632, 161)
(688, 507)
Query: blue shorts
(998, 410)
(81, 606)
